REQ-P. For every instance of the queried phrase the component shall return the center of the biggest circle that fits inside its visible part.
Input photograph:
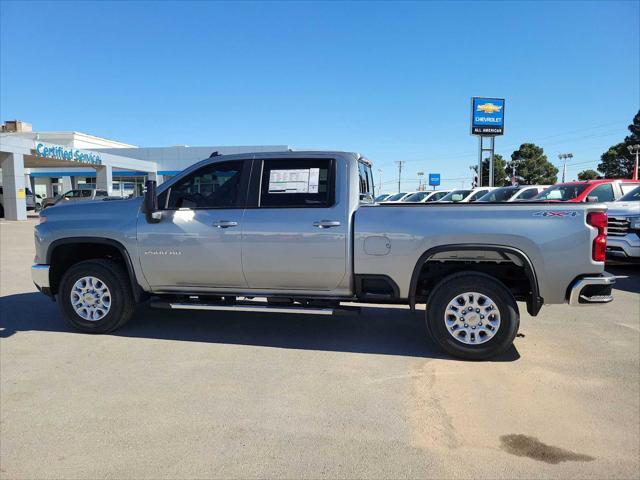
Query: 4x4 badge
(558, 213)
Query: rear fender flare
(534, 301)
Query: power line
(537, 140)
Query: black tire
(455, 285)
(115, 278)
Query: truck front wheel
(472, 315)
(95, 297)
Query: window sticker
(303, 180)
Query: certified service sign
(487, 116)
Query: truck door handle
(326, 224)
(225, 224)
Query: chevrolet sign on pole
(487, 121)
(487, 116)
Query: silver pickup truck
(299, 230)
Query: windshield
(382, 197)
(499, 195)
(416, 197)
(455, 196)
(632, 196)
(563, 192)
(396, 197)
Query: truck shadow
(628, 277)
(376, 330)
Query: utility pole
(380, 176)
(400, 164)
(513, 173)
(635, 150)
(563, 157)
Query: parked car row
(606, 190)
(622, 197)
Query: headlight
(634, 223)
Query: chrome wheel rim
(472, 318)
(90, 298)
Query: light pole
(420, 175)
(563, 157)
(380, 177)
(635, 150)
(400, 164)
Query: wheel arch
(83, 242)
(534, 301)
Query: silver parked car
(79, 194)
(623, 241)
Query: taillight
(599, 220)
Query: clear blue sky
(390, 80)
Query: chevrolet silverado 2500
(301, 229)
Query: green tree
(617, 161)
(634, 128)
(532, 166)
(499, 165)
(588, 175)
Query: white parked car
(382, 197)
(465, 195)
(398, 197)
(426, 197)
(33, 202)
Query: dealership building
(51, 163)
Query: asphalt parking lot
(194, 395)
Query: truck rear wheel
(95, 296)
(472, 316)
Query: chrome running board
(243, 307)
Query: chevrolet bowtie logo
(489, 108)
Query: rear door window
(366, 181)
(295, 183)
(603, 192)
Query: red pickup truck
(606, 190)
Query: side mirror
(151, 202)
(592, 199)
